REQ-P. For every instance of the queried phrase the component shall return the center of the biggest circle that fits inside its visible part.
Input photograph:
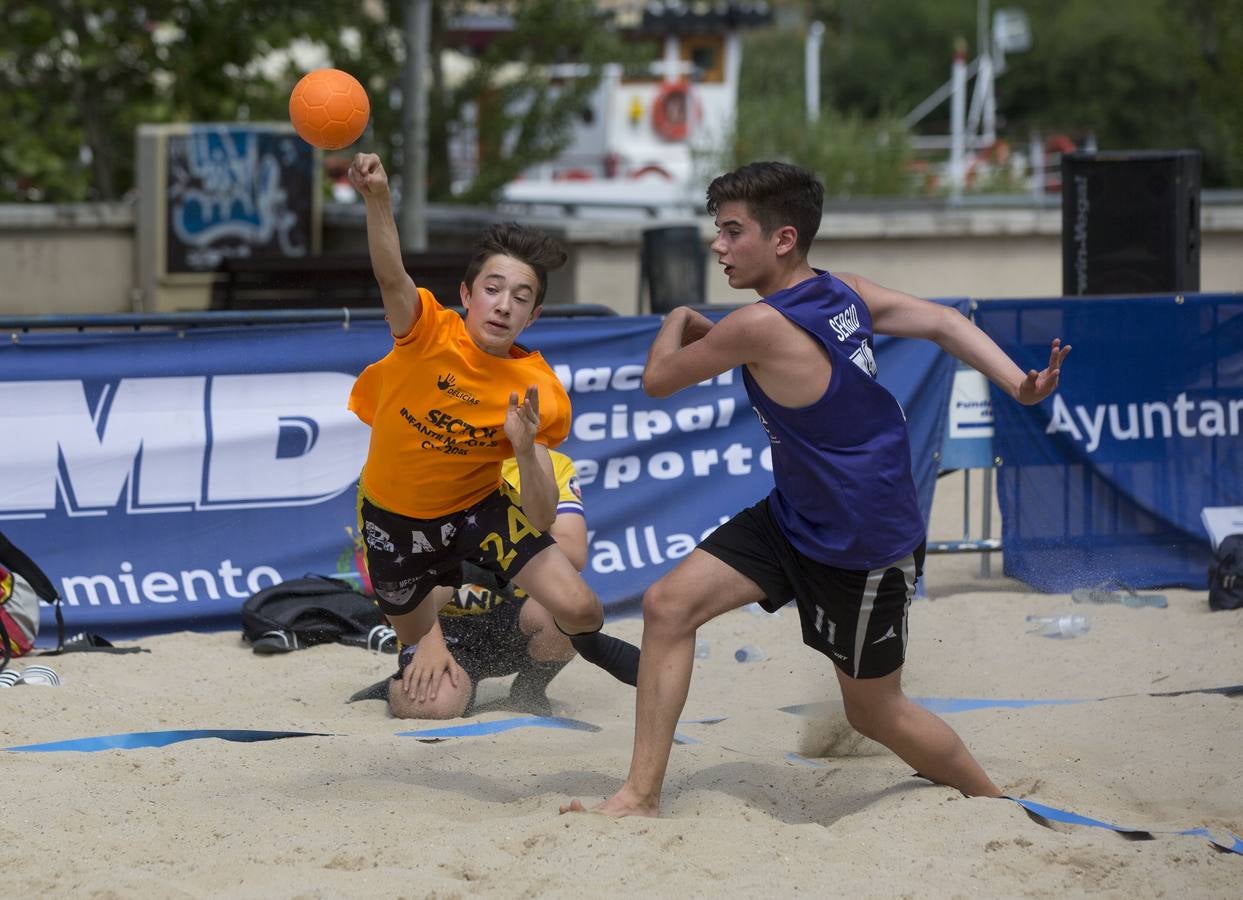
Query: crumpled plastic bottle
(1059, 626)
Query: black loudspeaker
(1131, 222)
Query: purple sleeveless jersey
(843, 491)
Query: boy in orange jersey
(490, 630)
(450, 402)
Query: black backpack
(1225, 574)
(314, 609)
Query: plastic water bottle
(1059, 626)
(750, 653)
(703, 648)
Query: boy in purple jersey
(841, 532)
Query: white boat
(645, 144)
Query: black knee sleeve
(615, 656)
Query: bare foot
(619, 806)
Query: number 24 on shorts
(519, 527)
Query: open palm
(522, 420)
(1038, 385)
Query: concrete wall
(67, 260)
(80, 259)
(975, 252)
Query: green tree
(884, 58)
(81, 75)
(1123, 70)
(1137, 74)
(1218, 25)
(854, 155)
(525, 112)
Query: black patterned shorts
(408, 557)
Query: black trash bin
(672, 268)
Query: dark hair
(527, 245)
(776, 194)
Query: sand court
(758, 798)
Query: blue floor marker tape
(141, 739)
(803, 760)
(475, 729)
(687, 740)
(968, 704)
(938, 705)
(806, 709)
(1235, 845)
(1040, 812)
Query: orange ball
(329, 109)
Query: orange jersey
(436, 405)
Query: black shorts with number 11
(408, 557)
(855, 617)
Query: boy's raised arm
(689, 348)
(903, 315)
(397, 288)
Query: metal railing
(345, 315)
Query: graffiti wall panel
(236, 191)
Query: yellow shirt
(436, 405)
(476, 599)
(569, 496)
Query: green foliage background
(78, 76)
(853, 155)
(85, 73)
(1135, 74)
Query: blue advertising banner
(160, 477)
(1107, 477)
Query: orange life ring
(671, 111)
(651, 170)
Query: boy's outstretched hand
(1038, 385)
(522, 420)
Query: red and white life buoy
(671, 111)
(652, 170)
